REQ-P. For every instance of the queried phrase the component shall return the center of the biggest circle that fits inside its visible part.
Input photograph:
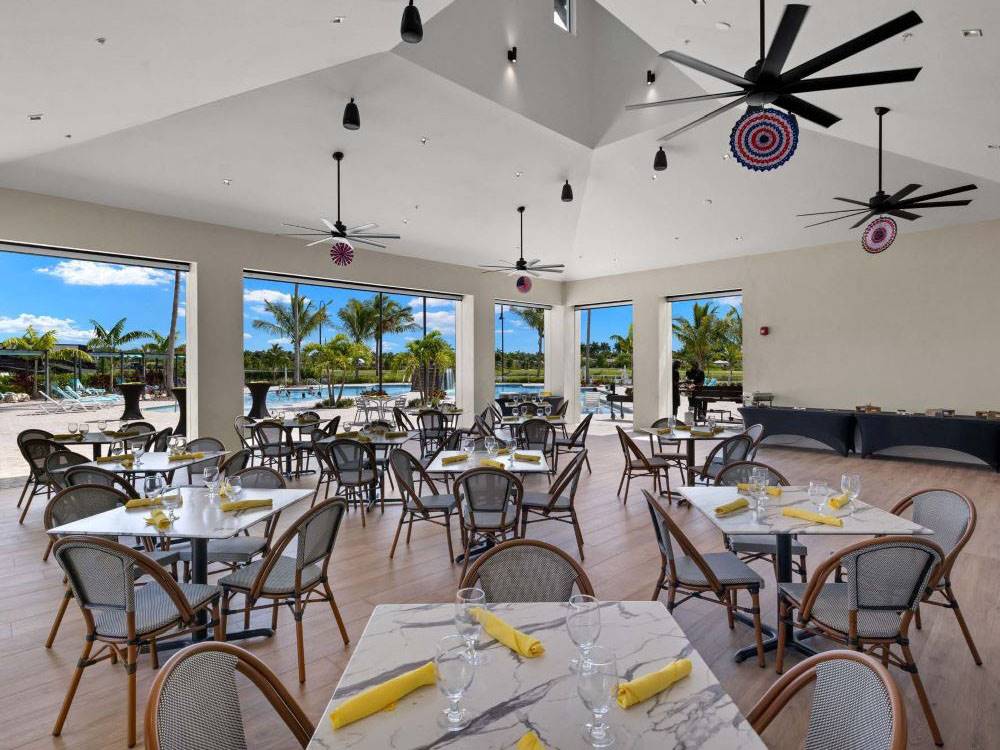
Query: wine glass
(102, 425)
(136, 451)
(850, 485)
(671, 423)
(547, 409)
(468, 444)
(819, 492)
(491, 446)
(524, 410)
(455, 673)
(84, 429)
(152, 485)
(72, 427)
(171, 499)
(211, 476)
(583, 621)
(235, 485)
(758, 485)
(467, 601)
(596, 680)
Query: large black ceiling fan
(521, 266)
(765, 83)
(337, 230)
(898, 204)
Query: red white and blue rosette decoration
(878, 235)
(764, 139)
(342, 253)
(523, 284)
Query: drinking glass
(136, 451)
(171, 499)
(468, 444)
(84, 429)
(72, 427)
(819, 492)
(596, 681)
(711, 424)
(102, 425)
(547, 409)
(455, 673)
(583, 621)
(211, 475)
(235, 486)
(671, 423)
(152, 485)
(758, 485)
(850, 485)
(524, 410)
(491, 446)
(466, 602)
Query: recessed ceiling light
(226, 181)
(676, 237)
(338, 19)
(518, 174)
(406, 221)
(708, 201)
(993, 145)
(68, 135)
(35, 117)
(972, 32)
(907, 36)
(723, 25)
(424, 139)
(739, 238)
(699, 2)
(102, 40)
(654, 177)
(725, 156)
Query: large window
(520, 344)
(562, 14)
(606, 360)
(325, 344)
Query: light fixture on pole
(512, 55)
(352, 117)
(567, 193)
(410, 28)
(660, 160)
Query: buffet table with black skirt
(832, 427)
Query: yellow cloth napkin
(553, 417)
(682, 427)
(147, 502)
(527, 458)
(743, 487)
(738, 504)
(67, 436)
(637, 690)
(664, 431)
(545, 393)
(774, 491)
(114, 433)
(346, 434)
(113, 459)
(186, 456)
(489, 462)
(503, 452)
(808, 515)
(510, 637)
(530, 741)
(509, 420)
(363, 439)
(396, 434)
(158, 519)
(232, 505)
(701, 433)
(838, 501)
(458, 458)
(383, 696)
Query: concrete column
(647, 314)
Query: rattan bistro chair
(36, 451)
(756, 433)
(871, 610)
(576, 442)
(294, 581)
(751, 547)
(274, 444)
(235, 462)
(952, 518)
(540, 435)
(433, 430)
(856, 705)
(665, 445)
(489, 502)
(558, 503)
(32, 480)
(77, 475)
(159, 441)
(178, 716)
(244, 431)
(524, 570)
(694, 575)
(729, 451)
(56, 464)
(638, 464)
(122, 617)
(433, 507)
(356, 471)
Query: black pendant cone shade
(411, 29)
(567, 193)
(660, 160)
(352, 117)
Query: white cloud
(281, 342)
(417, 303)
(90, 273)
(443, 321)
(246, 336)
(65, 328)
(260, 296)
(181, 311)
(735, 301)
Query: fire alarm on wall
(764, 330)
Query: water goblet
(758, 485)
(524, 410)
(235, 485)
(171, 499)
(136, 451)
(152, 485)
(211, 476)
(819, 493)
(671, 423)
(547, 409)
(596, 680)
(491, 446)
(72, 427)
(84, 429)
(583, 622)
(467, 601)
(850, 485)
(455, 673)
(468, 444)
(102, 425)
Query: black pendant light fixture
(411, 29)
(660, 160)
(352, 117)
(567, 193)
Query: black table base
(258, 392)
(131, 392)
(180, 393)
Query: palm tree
(274, 359)
(339, 353)
(732, 339)
(112, 340)
(294, 321)
(46, 343)
(390, 317)
(358, 320)
(534, 318)
(625, 346)
(700, 336)
(168, 363)
(427, 353)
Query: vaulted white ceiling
(180, 97)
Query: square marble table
(156, 462)
(689, 440)
(514, 467)
(95, 439)
(861, 520)
(511, 695)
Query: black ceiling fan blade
(854, 46)
(784, 38)
(941, 193)
(938, 204)
(373, 236)
(685, 100)
(851, 200)
(836, 218)
(704, 118)
(302, 234)
(704, 67)
(898, 196)
(367, 242)
(311, 229)
(838, 211)
(904, 214)
(802, 108)
(864, 219)
(875, 78)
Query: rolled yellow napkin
(144, 502)
(743, 487)
(545, 393)
(346, 434)
(664, 431)
(636, 691)
(397, 434)
(682, 427)
(509, 420)
(738, 504)
(363, 439)
(808, 515)
(383, 696)
(158, 519)
(838, 501)
(553, 417)
(458, 458)
(701, 433)
(524, 644)
(774, 491)
(232, 505)
(490, 463)
(67, 436)
(503, 452)
(113, 459)
(186, 456)
(530, 741)
(527, 458)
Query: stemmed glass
(819, 493)
(596, 680)
(524, 410)
(171, 499)
(547, 409)
(758, 485)
(84, 429)
(455, 672)
(468, 444)
(491, 446)
(102, 425)
(466, 602)
(583, 621)
(72, 427)
(136, 451)
(211, 476)
(850, 485)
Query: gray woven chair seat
(163, 556)
(153, 609)
(357, 477)
(832, 608)
(281, 579)
(654, 461)
(728, 568)
(486, 520)
(433, 502)
(237, 549)
(567, 443)
(762, 544)
(270, 451)
(542, 499)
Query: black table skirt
(830, 427)
(973, 436)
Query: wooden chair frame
(414, 510)
(645, 468)
(583, 583)
(578, 439)
(702, 473)
(353, 492)
(563, 515)
(468, 526)
(22, 437)
(37, 475)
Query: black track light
(411, 29)
(352, 117)
(512, 55)
(567, 193)
(650, 78)
(660, 160)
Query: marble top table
(861, 520)
(96, 438)
(689, 441)
(515, 467)
(380, 439)
(511, 695)
(519, 420)
(156, 462)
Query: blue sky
(686, 309)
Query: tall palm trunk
(538, 362)
(168, 364)
(296, 337)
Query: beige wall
(912, 328)
(215, 306)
